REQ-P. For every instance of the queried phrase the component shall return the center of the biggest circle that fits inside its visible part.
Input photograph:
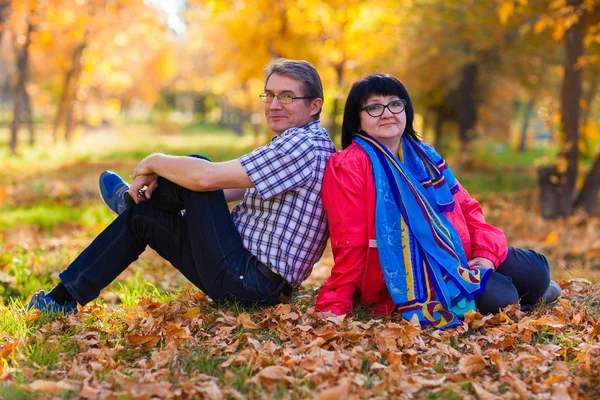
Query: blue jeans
(524, 275)
(202, 243)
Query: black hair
(375, 84)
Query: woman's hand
(482, 263)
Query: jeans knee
(499, 292)
(199, 156)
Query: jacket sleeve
(344, 200)
(486, 240)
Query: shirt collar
(312, 126)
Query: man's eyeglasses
(284, 98)
(376, 110)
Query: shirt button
(241, 276)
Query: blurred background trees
(519, 74)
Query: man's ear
(315, 106)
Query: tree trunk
(69, 89)
(588, 196)
(590, 94)
(70, 121)
(564, 179)
(4, 12)
(29, 113)
(20, 88)
(467, 109)
(526, 119)
(333, 126)
(439, 124)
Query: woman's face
(388, 127)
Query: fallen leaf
(517, 384)
(552, 238)
(271, 374)
(291, 316)
(52, 387)
(482, 394)
(338, 392)
(499, 361)
(244, 320)
(191, 313)
(146, 341)
(561, 393)
(89, 392)
(8, 348)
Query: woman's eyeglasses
(376, 110)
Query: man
(258, 253)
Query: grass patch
(51, 215)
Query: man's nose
(275, 104)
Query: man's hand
(145, 166)
(150, 182)
(482, 263)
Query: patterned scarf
(421, 255)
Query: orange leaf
(5, 352)
(282, 309)
(499, 361)
(335, 393)
(146, 341)
(89, 392)
(244, 320)
(47, 386)
(548, 322)
(482, 394)
(517, 384)
(272, 374)
(553, 379)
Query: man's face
(282, 117)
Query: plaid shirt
(281, 220)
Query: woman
(404, 233)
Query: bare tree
(21, 98)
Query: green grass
(50, 215)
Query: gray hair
(300, 70)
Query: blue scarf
(421, 255)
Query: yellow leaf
(552, 238)
(505, 10)
(191, 313)
(506, 317)
(540, 26)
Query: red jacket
(349, 200)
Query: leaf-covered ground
(152, 335)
